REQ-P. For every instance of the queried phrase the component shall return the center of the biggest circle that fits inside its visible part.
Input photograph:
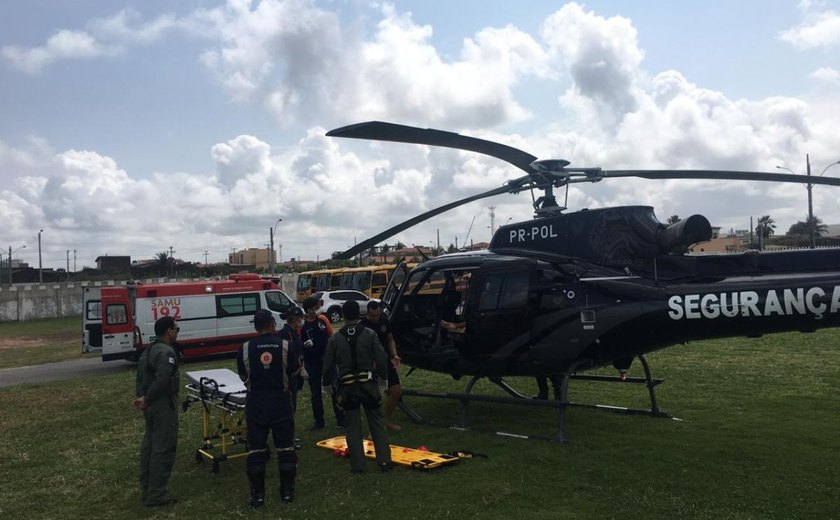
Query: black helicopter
(571, 291)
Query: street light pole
(40, 266)
(271, 231)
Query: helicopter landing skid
(561, 403)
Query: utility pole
(171, 262)
(438, 239)
(751, 231)
(74, 260)
(68, 265)
(205, 257)
(40, 266)
(811, 223)
(10, 261)
(492, 221)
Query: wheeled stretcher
(222, 395)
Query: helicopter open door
(392, 290)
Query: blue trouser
(314, 367)
(262, 417)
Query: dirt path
(8, 342)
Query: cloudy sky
(129, 127)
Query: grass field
(758, 439)
(40, 341)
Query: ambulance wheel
(215, 469)
(334, 314)
(198, 457)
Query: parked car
(331, 302)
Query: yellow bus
(309, 282)
(371, 280)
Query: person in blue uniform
(268, 364)
(315, 331)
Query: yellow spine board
(411, 457)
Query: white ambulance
(214, 316)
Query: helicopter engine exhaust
(679, 236)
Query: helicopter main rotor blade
(370, 242)
(381, 131)
(722, 175)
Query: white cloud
(601, 54)
(64, 44)
(826, 74)
(818, 29)
(299, 60)
(127, 26)
(103, 37)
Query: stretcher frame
(222, 442)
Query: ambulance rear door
(117, 324)
(92, 320)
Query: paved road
(62, 370)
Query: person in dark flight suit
(357, 354)
(156, 389)
(267, 364)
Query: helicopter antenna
(470, 229)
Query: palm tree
(820, 229)
(765, 227)
(163, 260)
(673, 219)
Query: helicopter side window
(504, 291)
(490, 289)
(515, 291)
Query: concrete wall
(24, 301)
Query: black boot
(257, 480)
(287, 482)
